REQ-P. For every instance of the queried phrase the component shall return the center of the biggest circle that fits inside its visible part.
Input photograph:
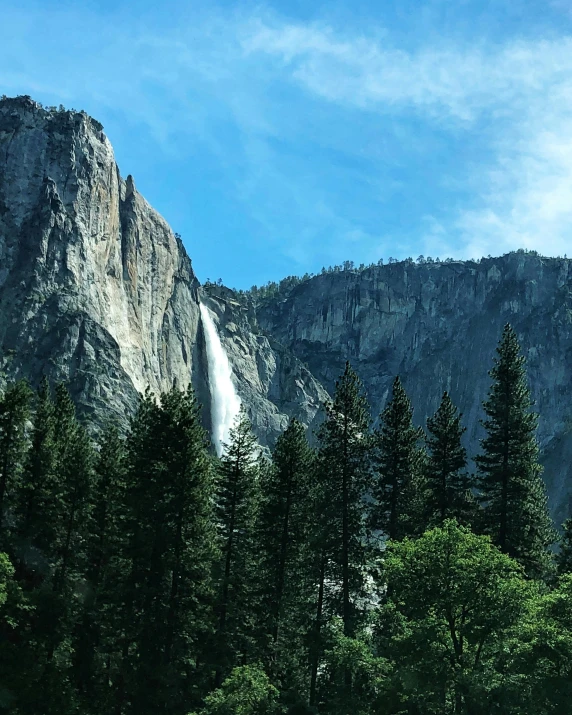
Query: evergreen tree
(343, 475)
(74, 455)
(512, 491)
(95, 640)
(564, 556)
(36, 512)
(284, 575)
(344, 470)
(14, 413)
(52, 510)
(448, 484)
(397, 491)
(167, 602)
(237, 504)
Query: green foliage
(455, 601)
(166, 618)
(14, 413)
(368, 694)
(237, 506)
(564, 557)
(246, 691)
(144, 576)
(6, 576)
(343, 469)
(398, 485)
(512, 491)
(285, 561)
(447, 482)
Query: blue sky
(280, 137)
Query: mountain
(437, 326)
(96, 290)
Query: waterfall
(225, 403)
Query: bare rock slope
(96, 289)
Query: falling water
(225, 403)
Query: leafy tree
(538, 664)
(237, 504)
(397, 486)
(448, 484)
(246, 691)
(17, 668)
(370, 682)
(512, 491)
(454, 603)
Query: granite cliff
(437, 326)
(96, 290)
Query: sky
(281, 137)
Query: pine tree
(564, 556)
(167, 603)
(237, 505)
(95, 640)
(512, 491)
(397, 510)
(36, 512)
(343, 474)
(14, 413)
(74, 463)
(284, 576)
(447, 481)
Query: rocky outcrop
(270, 380)
(96, 290)
(437, 326)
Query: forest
(371, 568)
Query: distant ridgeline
(372, 573)
(281, 289)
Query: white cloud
(518, 94)
(193, 76)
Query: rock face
(437, 326)
(96, 290)
(270, 380)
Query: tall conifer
(398, 490)
(95, 639)
(237, 505)
(343, 473)
(168, 592)
(512, 491)
(14, 413)
(35, 508)
(284, 573)
(448, 485)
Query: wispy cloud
(325, 137)
(519, 96)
